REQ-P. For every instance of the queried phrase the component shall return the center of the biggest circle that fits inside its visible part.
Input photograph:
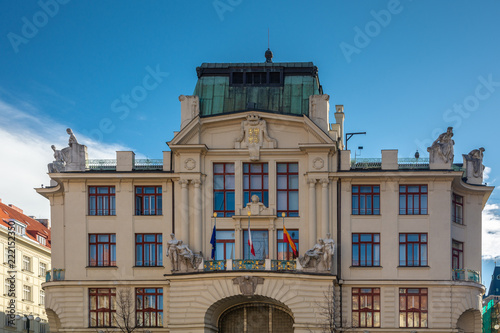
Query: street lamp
(27, 319)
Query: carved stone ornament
(320, 256)
(190, 164)
(71, 158)
(474, 166)
(441, 150)
(248, 284)
(182, 258)
(318, 163)
(254, 136)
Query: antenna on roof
(268, 54)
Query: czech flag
(288, 239)
(250, 243)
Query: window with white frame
(42, 297)
(27, 293)
(27, 263)
(5, 255)
(42, 240)
(6, 287)
(42, 270)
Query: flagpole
(215, 230)
(286, 244)
(248, 240)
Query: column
(184, 211)
(312, 212)
(325, 208)
(197, 225)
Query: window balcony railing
(57, 275)
(249, 265)
(148, 164)
(103, 164)
(110, 164)
(466, 275)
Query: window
(6, 287)
(102, 200)
(256, 78)
(26, 263)
(224, 189)
(255, 181)
(42, 240)
(288, 188)
(457, 254)
(260, 240)
(412, 249)
(413, 307)
(366, 200)
(102, 307)
(42, 297)
(27, 293)
(102, 250)
(366, 250)
(457, 208)
(224, 246)
(5, 254)
(42, 270)
(149, 307)
(413, 199)
(148, 200)
(366, 307)
(148, 250)
(285, 251)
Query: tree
(124, 317)
(330, 313)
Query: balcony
(57, 275)
(466, 275)
(110, 164)
(250, 265)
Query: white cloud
(486, 173)
(25, 150)
(491, 232)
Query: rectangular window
(413, 307)
(42, 270)
(27, 263)
(255, 182)
(149, 307)
(366, 250)
(412, 249)
(457, 254)
(148, 250)
(42, 297)
(224, 246)
(102, 200)
(285, 251)
(224, 189)
(27, 293)
(260, 240)
(413, 199)
(288, 188)
(366, 200)
(102, 307)
(5, 254)
(102, 250)
(42, 240)
(148, 200)
(366, 307)
(457, 209)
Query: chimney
(16, 208)
(45, 222)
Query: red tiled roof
(33, 227)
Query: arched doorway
(470, 321)
(256, 317)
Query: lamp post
(27, 319)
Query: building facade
(25, 246)
(258, 220)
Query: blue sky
(404, 71)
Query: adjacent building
(25, 244)
(257, 220)
(491, 304)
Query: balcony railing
(403, 163)
(249, 265)
(57, 275)
(139, 164)
(103, 164)
(148, 164)
(466, 275)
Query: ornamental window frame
(102, 203)
(369, 314)
(405, 312)
(150, 251)
(227, 176)
(107, 255)
(370, 200)
(27, 293)
(411, 195)
(370, 248)
(108, 309)
(419, 258)
(148, 203)
(262, 176)
(27, 263)
(287, 185)
(154, 298)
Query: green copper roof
(274, 87)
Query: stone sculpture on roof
(441, 150)
(71, 158)
(474, 166)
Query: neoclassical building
(258, 220)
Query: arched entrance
(470, 321)
(256, 318)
